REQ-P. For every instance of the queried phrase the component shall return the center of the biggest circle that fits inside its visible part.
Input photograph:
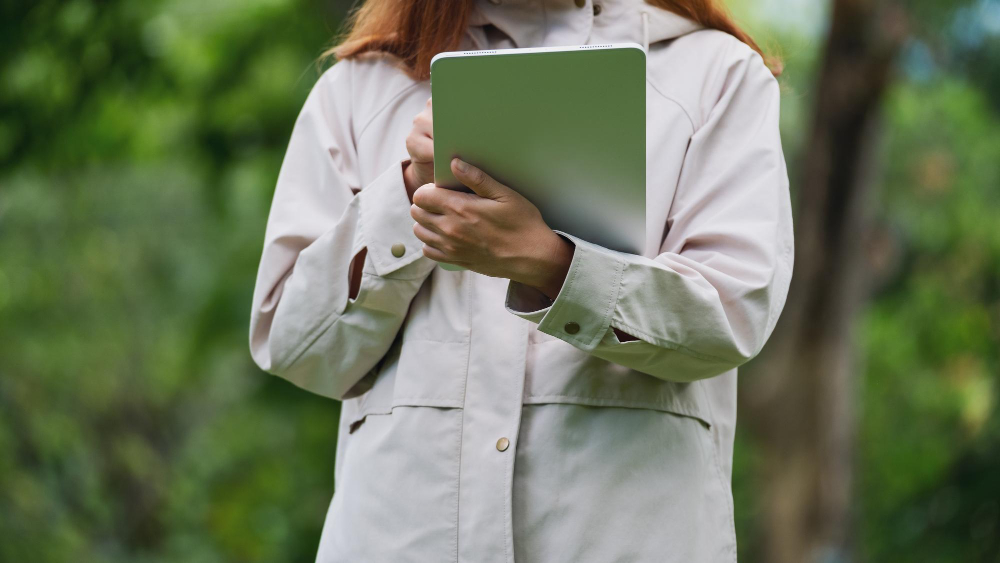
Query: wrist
(550, 266)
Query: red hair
(415, 30)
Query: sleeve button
(398, 250)
(503, 444)
(571, 328)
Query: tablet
(563, 126)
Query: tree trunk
(799, 395)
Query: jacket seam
(383, 107)
(684, 110)
(373, 410)
(441, 402)
(390, 277)
(508, 491)
(669, 345)
(461, 428)
(609, 311)
(620, 402)
(507, 486)
(310, 340)
(436, 341)
(569, 285)
(458, 476)
(606, 315)
(718, 473)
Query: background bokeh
(139, 146)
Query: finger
(478, 181)
(426, 218)
(429, 237)
(438, 256)
(421, 148)
(423, 124)
(440, 200)
(431, 198)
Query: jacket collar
(537, 23)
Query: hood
(538, 23)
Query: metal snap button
(503, 444)
(571, 328)
(398, 249)
(597, 9)
(581, 3)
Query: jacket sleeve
(709, 301)
(303, 326)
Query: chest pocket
(415, 374)
(427, 363)
(434, 349)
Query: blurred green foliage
(930, 439)
(139, 145)
(928, 442)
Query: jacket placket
(491, 419)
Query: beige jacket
(614, 451)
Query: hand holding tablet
(564, 127)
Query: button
(571, 328)
(581, 3)
(398, 249)
(597, 9)
(503, 444)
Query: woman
(573, 403)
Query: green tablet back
(565, 127)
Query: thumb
(478, 181)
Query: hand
(493, 231)
(420, 145)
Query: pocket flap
(431, 374)
(377, 399)
(559, 373)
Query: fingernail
(461, 165)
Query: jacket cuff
(386, 226)
(581, 312)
